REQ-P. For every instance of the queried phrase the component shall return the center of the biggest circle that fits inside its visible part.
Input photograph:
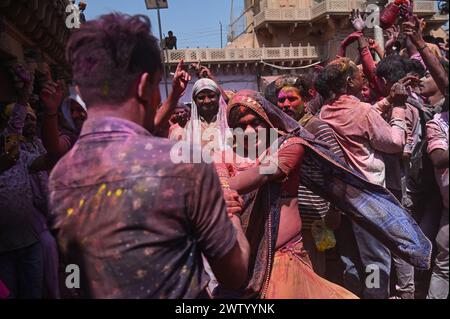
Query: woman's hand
(233, 201)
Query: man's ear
(143, 88)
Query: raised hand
(392, 35)
(180, 81)
(410, 80)
(414, 29)
(398, 95)
(357, 21)
(202, 71)
(51, 95)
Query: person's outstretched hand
(392, 35)
(180, 81)
(357, 21)
(398, 95)
(414, 30)
(51, 96)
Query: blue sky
(195, 23)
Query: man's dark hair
(415, 66)
(303, 83)
(393, 68)
(430, 39)
(109, 54)
(333, 78)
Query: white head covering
(65, 106)
(193, 128)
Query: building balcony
(438, 18)
(243, 55)
(330, 7)
(308, 14)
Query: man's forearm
(382, 106)
(50, 136)
(399, 128)
(434, 66)
(241, 239)
(166, 110)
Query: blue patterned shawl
(371, 206)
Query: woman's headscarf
(193, 127)
(371, 206)
(272, 115)
(65, 108)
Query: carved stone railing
(307, 14)
(440, 18)
(328, 7)
(245, 55)
(425, 7)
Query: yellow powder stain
(109, 194)
(101, 189)
(70, 212)
(119, 192)
(81, 203)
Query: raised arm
(392, 35)
(390, 137)
(280, 164)
(373, 45)
(51, 97)
(414, 30)
(179, 85)
(347, 41)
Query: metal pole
(378, 31)
(161, 41)
(221, 35)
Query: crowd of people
(349, 200)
